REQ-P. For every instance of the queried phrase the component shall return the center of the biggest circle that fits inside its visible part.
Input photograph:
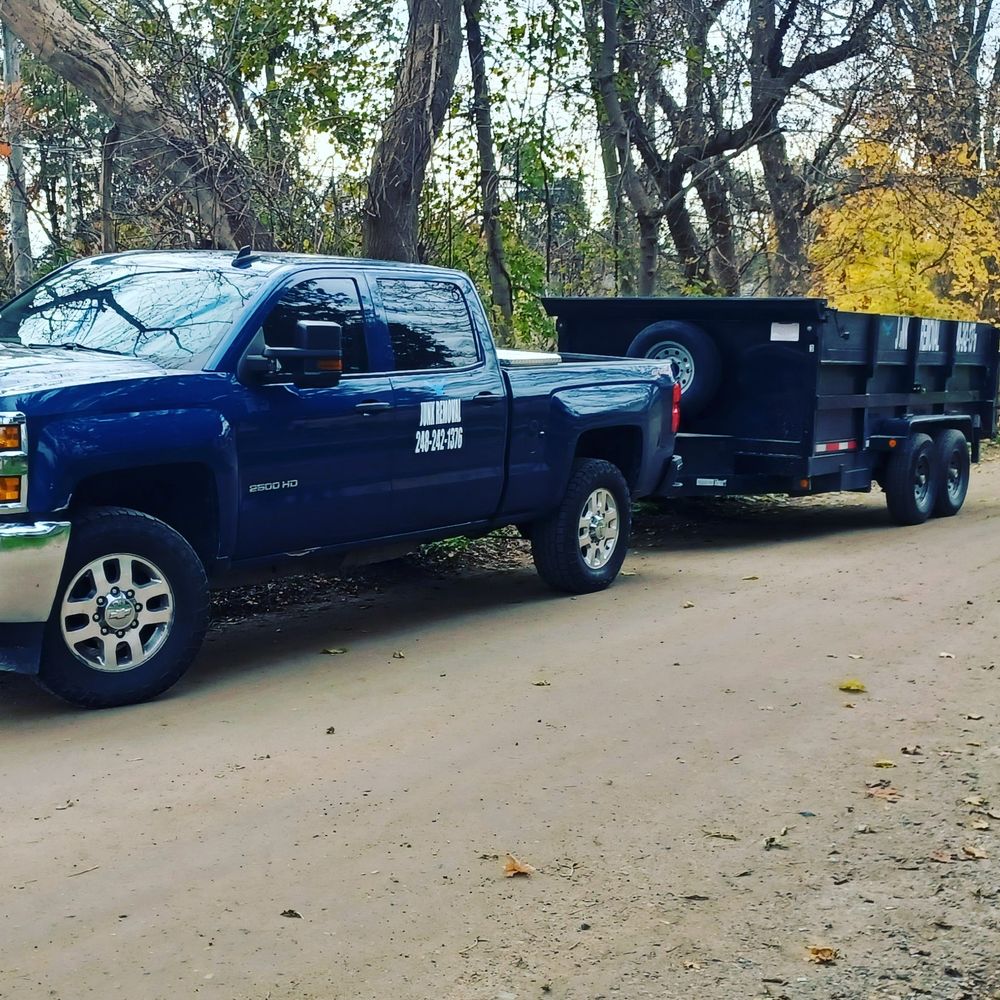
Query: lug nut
(115, 591)
(101, 601)
(130, 593)
(97, 618)
(104, 631)
(121, 635)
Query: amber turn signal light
(330, 365)
(10, 437)
(10, 489)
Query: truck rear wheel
(911, 480)
(130, 612)
(953, 470)
(692, 350)
(581, 547)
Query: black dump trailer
(788, 395)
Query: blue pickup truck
(168, 418)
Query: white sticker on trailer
(785, 331)
(710, 482)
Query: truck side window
(429, 324)
(328, 300)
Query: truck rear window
(429, 324)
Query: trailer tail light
(826, 447)
(675, 410)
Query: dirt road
(673, 756)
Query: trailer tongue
(791, 396)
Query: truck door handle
(485, 398)
(372, 406)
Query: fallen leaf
(773, 844)
(69, 805)
(688, 604)
(720, 834)
(913, 751)
(941, 857)
(888, 794)
(541, 684)
(974, 800)
(980, 824)
(330, 730)
(292, 913)
(946, 656)
(751, 578)
(399, 655)
(883, 762)
(822, 955)
(973, 717)
(516, 867)
(849, 704)
(855, 656)
(335, 651)
(692, 965)
(852, 684)
(973, 852)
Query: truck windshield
(164, 310)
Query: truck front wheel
(911, 480)
(581, 547)
(130, 612)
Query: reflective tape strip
(828, 446)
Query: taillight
(675, 410)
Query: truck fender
(70, 450)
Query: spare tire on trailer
(694, 353)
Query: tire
(161, 619)
(575, 562)
(911, 480)
(696, 356)
(952, 453)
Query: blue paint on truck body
(279, 469)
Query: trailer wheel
(953, 472)
(129, 614)
(694, 353)
(581, 547)
(911, 480)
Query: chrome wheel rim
(954, 476)
(599, 527)
(921, 479)
(117, 612)
(681, 357)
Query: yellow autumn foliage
(915, 239)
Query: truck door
(450, 406)
(315, 462)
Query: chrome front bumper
(31, 562)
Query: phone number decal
(438, 439)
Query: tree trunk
(423, 92)
(786, 192)
(108, 242)
(489, 176)
(20, 240)
(206, 173)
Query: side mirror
(317, 358)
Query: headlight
(13, 463)
(10, 437)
